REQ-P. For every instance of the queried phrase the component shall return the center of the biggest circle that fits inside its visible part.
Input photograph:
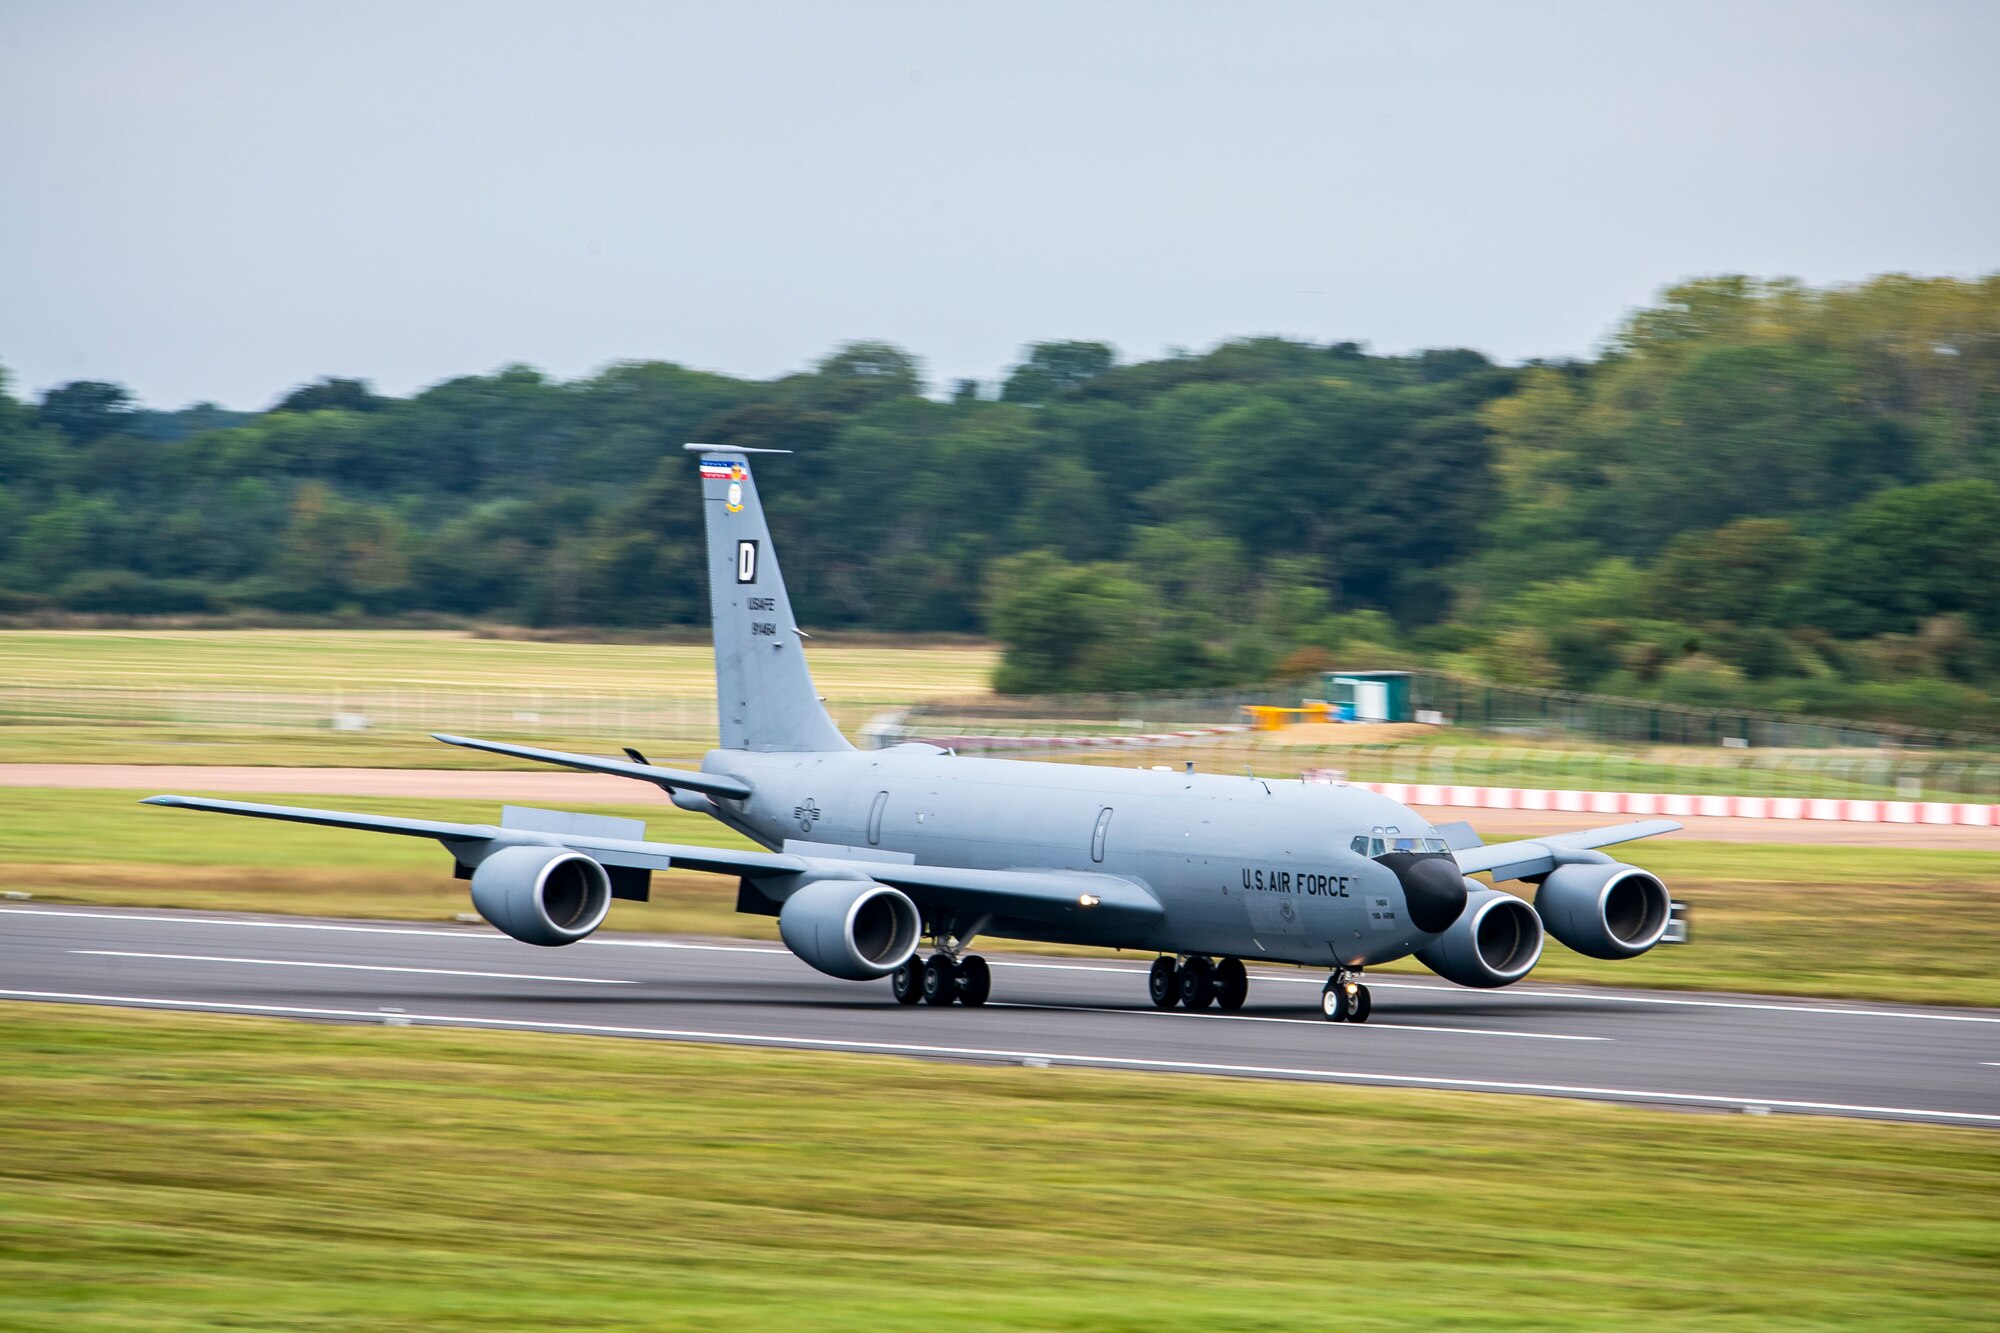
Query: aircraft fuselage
(1245, 867)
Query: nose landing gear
(1345, 999)
(1197, 982)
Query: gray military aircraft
(868, 853)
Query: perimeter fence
(1822, 760)
(413, 710)
(1529, 711)
(1495, 735)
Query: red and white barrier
(1674, 806)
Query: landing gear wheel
(940, 980)
(1362, 1005)
(1165, 983)
(906, 983)
(975, 980)
(1197, 984)
(1333, 1002)
(1232, 984)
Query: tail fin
(764, 694)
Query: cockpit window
(1391, 839)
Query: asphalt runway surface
(1681, 1049)
(543, 787)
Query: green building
(1369, 696)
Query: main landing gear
(940, 979)
(1345, 999)
(1197, 982)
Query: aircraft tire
(906, 983)
(975, 980)
(1332, 1002)
(1164, 983)
(1362, 1006)
(1197, 984)
(940, 980)
(1232, 984)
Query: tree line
(1758, 493)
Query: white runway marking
(1693, 1001)
(351, 967)
(1273, 1018)
(1018, 1057)
(1380, 980)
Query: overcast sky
(220, 201)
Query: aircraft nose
(1434, 889)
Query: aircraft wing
(1038, 895)
(1538, 856)
(611, 851)
(709, 784)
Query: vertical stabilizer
(764, 693)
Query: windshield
(1391, 839)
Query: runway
(1688, 1050)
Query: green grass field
(270, 696)
(1882, 923)
(178, 1172)
(382, 659)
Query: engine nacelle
(542, 895)
(1604, 910)
(854, 929)
(1496, 941)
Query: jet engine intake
(542, 895)
(1496, 941)
(854, 929)
(1604, 911)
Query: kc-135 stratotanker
(867, 854)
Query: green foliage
(86, 410)
(1053, 368)
(331, 395)
(1761, 492)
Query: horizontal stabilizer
(709, 784)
